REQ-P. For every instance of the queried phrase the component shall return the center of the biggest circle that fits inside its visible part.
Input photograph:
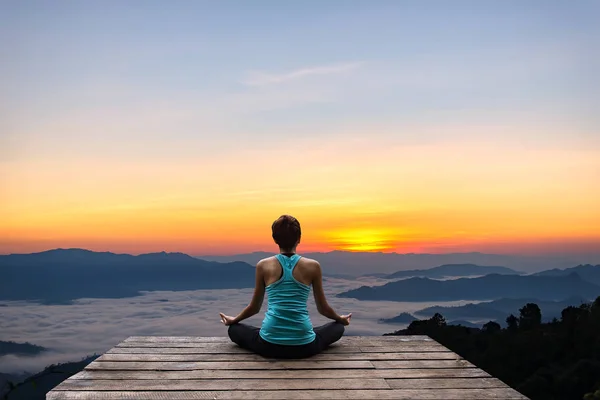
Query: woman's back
(287, 321)
(286, 278)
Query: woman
(286, 331)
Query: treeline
(37, 386)
(550, 361)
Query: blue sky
(115, 104)
(364, 62)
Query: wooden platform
(366, 367)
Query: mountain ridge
(501, 308)
(450, 270)
(359, 263)
(62, 275)
(489, 287)
(588, 272)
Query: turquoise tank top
(286, 320)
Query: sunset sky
(407, 126)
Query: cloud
(259, 78)
(95, 325)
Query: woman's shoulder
(309, 262)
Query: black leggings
(248, 337)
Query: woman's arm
(255, 304)
(322, 305)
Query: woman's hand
(226, 319)
(345, 319)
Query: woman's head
(286, 232)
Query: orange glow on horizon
(440, 198)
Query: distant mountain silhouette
(588, 272)
(20, 349)
(500, 309)
(450, 270)
(361, 263)
(466, 324)
(403, 318)
(480, 311)
(61, 275)
(488, 287)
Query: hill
(502, 308)
(488, 287)
(20, 349)
(403, 318)
(359, 263)
(588, 272)
(450, 270)
(466, 324)
(36, 386)
(545, 361)
(61, 275)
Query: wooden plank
(404, 338)
(404, 349)
(189, 339)
(377, 341)
(225, 339)
(230, 349)
(186, 366)
(180, 350)
(222, 384)
(177, 344)
(254, 357)
(459, 363)
(366, 343)
(396, 394)
(289, 374)
(439, 383)
(234, 349)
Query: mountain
(21, 349)
(403, 318)
(361, 263)
(450, 270)
(483, 288)
(480, 311)
(466, 324)
(502, 308)
(588, 272)
(36, 386)
(61, 275)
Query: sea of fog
(91, 326)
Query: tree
(491, 327)
(571, 315)
(512, 323)
(595, 308)
(438, 320)
(530, 316)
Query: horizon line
(308, 252)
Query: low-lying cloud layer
(95, 325)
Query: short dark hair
(286, 231)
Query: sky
(407, 126)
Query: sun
(361, 239)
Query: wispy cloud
(260, 78)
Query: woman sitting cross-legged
(286, 331)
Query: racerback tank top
(287, 321)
